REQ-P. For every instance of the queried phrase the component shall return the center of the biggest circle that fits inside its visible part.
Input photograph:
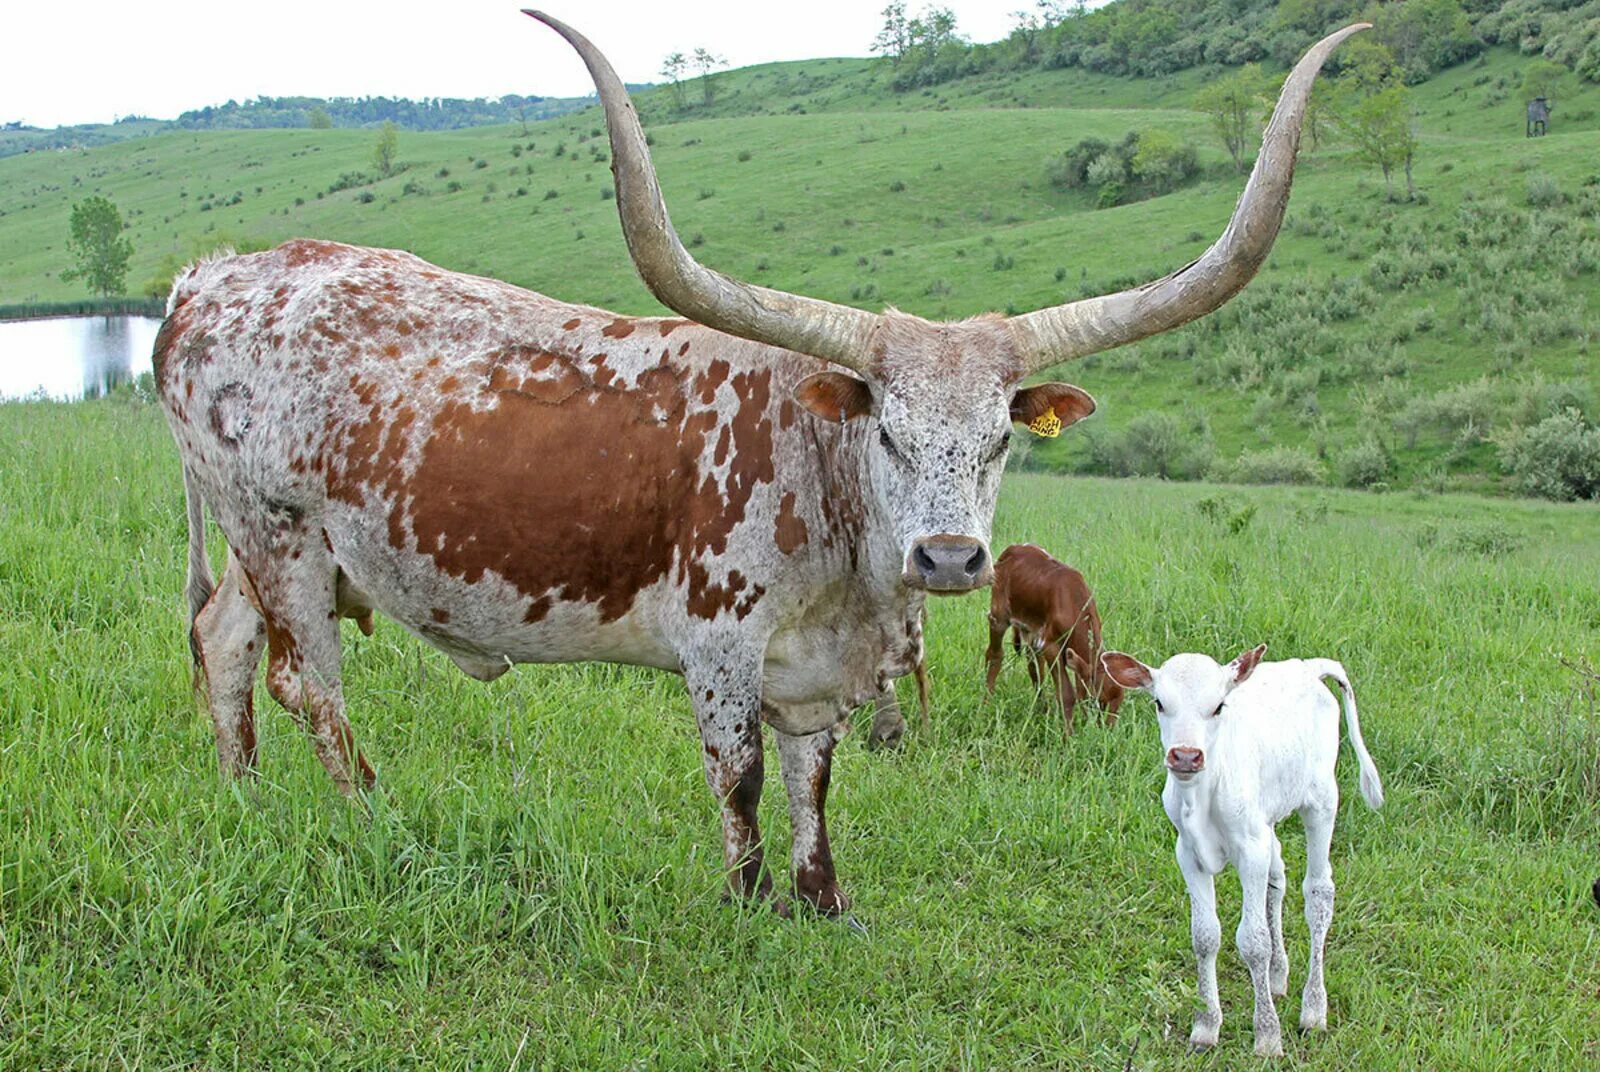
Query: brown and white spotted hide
(514, 479)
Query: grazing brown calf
(1054, 617)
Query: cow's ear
(1126, 671)
(1049, 407)
(1241, 668)
(834, 396)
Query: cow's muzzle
(1185, 762)
(948, 564)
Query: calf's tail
(199, 588)
(1371, 786)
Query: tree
(1541, 78)
(705, 62)
(672, 69)
(1232, 103)
(384, 152)
(319, 119)
(97, 246)
(1379, 126)
(895, 37)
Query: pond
(73, 357)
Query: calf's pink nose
(1185, 760)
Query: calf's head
(1191, 694)
(943, 396)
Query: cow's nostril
(924, 561)
(975, 561)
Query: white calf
(1247, 744)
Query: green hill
(1373, 325)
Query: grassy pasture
(537, 883)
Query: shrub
(1543, 191)
(1153, 444)
(551, 194)
(744, 156)
(1163, 161)
(1558, 458)
(897, 186)
(1276, 465)
(1365, 464)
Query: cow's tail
(200, 586)
(1371, 786)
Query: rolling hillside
(1372, 324)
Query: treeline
(433, 113)
(1158, 37)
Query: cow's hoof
(854, 925)
(889, 737)
(828, 900)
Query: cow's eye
(888, 444)
(1000, 447)
(1217, 712)
(1159, 709)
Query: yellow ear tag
(1047, 424)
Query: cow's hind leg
(888, 723)
(229, 636)
(296, 589)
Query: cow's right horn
(837, 333)
(1064, 332)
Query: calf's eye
(1217, 712)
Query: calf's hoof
(1269, 1046)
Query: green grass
(814, 177)
(537, 882)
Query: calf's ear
(1047, 408)
(1126, 671)
(1245, 665)
(834, 396)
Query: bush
(1153, 444)
(1163, 161)
(1543, 192)
(1558, 458)
(1277, 465)
(1365, 464)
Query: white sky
(89, 61)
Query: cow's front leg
(727, 704)
(807, 761)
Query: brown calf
(1053, 613)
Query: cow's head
(943, 396)
(1191, 694)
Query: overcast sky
(90, 61)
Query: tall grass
(538, 873)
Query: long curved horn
(837, 333)
(1061, 333)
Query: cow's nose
(1186, 760)
(949, 564)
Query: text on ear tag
(1047, 424)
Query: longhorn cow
(758, 497)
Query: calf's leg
(995, 655)
(1275, 888)
(1206, 933)
(1254, 939)
(1318, 890)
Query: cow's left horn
(1084, 327)
(837, 333)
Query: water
(73, 357)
